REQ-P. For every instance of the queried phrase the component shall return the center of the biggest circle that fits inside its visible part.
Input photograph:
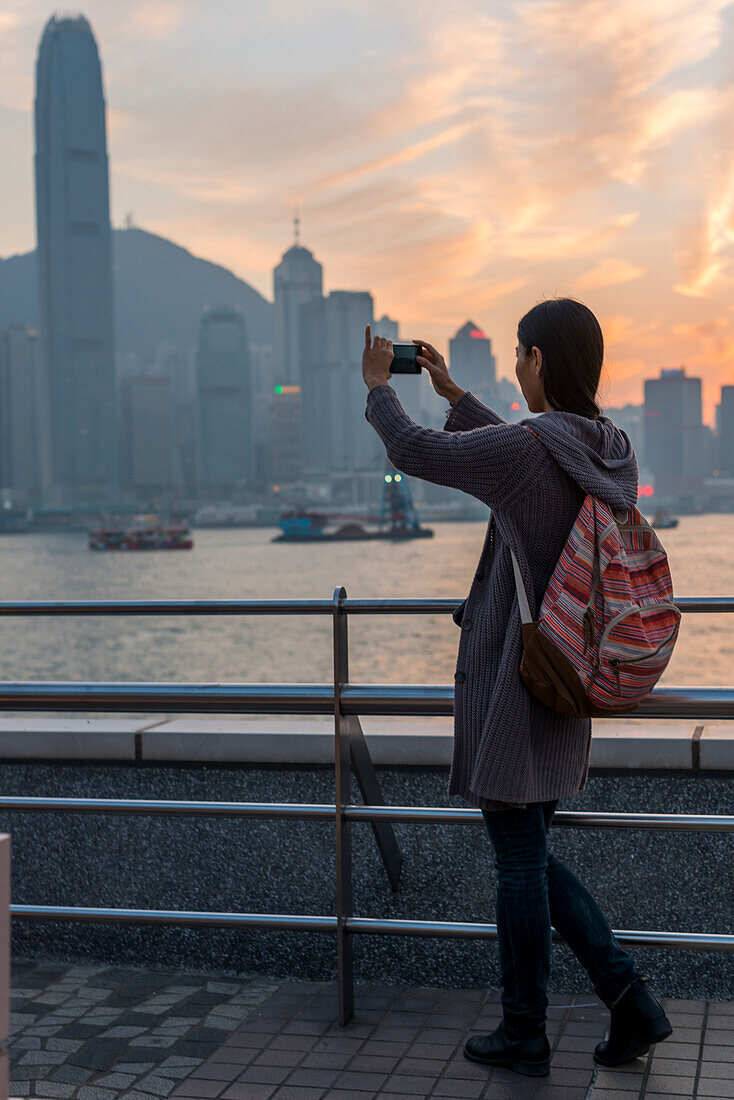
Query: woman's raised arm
(491, 463)
(468, 413)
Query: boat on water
(663, 520)
(143, 533)
(306, 526)
(397, 520)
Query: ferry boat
(306, 526)
(144, 533)
(663, 520)
(398, 520)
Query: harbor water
(245, 564)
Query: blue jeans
(535, 890)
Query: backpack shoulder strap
(522, 596)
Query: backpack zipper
(625, 614)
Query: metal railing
(346, 702)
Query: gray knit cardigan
(510, 749)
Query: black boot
(638, 1021)
(528, 1056)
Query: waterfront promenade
(98, 1032)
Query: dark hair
(570, 338)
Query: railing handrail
(424, 700)
(355, 606)
(324, 811)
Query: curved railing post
(342, 798)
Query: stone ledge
(717, 747)
(634, 744)
(32, 738)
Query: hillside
(160, 292)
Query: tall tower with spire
(297, 279)
(75, 265)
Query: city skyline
(495, 160)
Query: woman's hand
(434, 363)
(376, 359)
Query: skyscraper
(336, 436)
(298, 278)
(75, 265)
(676, 443)
(21, 446)
(474, 367)
(725, 432)
(147, 421)
(225, 437)
(472, 364)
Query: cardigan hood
(596, 454)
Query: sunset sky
(459, 160)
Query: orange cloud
(610, 272)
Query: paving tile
(361, 1082)
(276, 1057)
(289, 1092)
(337, 1044)
(156, 1085)
(326, 1060)
(264, 1075)
(614, 1094)
(718, 1053)
(683, 1067)
(197, 1090)
(654, 1094)
(307, 1077)
(382, 1048)
(115, 1080)
(70, 1075)
(294, 1042)
(460, 1089)
(717, 1069)
(372, 1063)
(432, 1051)
(42, 1058)
(570, 1059)
(719, 1036)
(679, 1085)
(502, 1090)
(679, 1018)
(421, 1067)
(636, 1069)
(404, 1085)
(462, 1068)
(305, 1027)
(349, 1094)
(556, 1092)
(248, 1092)
(714, 1088)
(216, 1071)
(670, 1049)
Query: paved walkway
(101, 1032)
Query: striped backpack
(607, 623)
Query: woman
(513, 757)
